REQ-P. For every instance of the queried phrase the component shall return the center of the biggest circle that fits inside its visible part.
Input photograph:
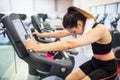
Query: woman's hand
(36, 33)
(32, 45)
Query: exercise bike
(39, 64)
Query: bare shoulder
(98, 32)
(101, 28)
(104, 32)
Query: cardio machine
(39, 64)
(38, 24)
(102, 21)
(115, 33)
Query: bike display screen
(20, 29)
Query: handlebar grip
(32, 30)
(27, 36)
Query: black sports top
(100, 49)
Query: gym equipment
(43, 40)
(25, 20)
(114, 22)
(96, 17)
(41, 28)
(3, 37)
(39, 25)
(39, 65)
(2, 31)
(43, 16)
(115, 38)
(117, 56)
(117, 53)
(115, 33)
(22, 16)
(103, 19)
(35, 19)
(1, 15)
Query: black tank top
(100, 48)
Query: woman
(102, 66)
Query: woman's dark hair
(73, 15)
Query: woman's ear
(79, 23)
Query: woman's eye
(74, 32)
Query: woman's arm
(56, 34)
(92, 36)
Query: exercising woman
(102, 65)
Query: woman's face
(77, 30)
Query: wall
(86, 4)
(29, 7)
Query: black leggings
(100, 70)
